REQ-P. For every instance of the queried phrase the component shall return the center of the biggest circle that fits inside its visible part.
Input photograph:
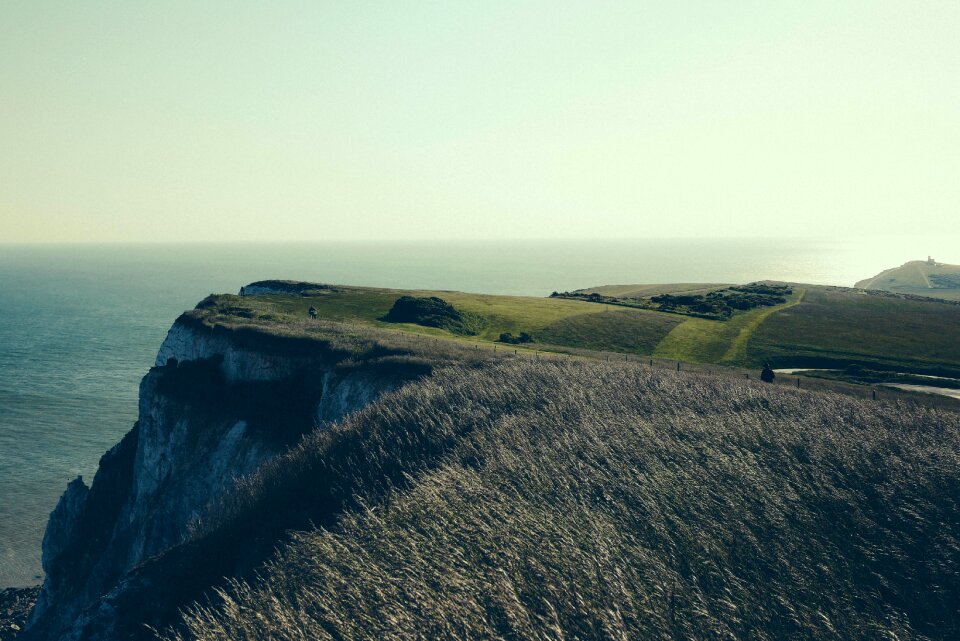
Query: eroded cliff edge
(218, 402)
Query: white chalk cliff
(198, 431)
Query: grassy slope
(837, 326)
(616, 330)
(829, 326)
(368, 305)
(913, 278)
(707, 341)
(551, 321)
(588, 501)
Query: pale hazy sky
(215, 120)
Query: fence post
(678, 366)
(798, 382)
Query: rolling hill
(814, 326)
(919, 278)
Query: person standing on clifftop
(767, 375)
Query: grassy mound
(432, 311)
(571, 500)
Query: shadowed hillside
(573, 500)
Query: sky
(184, 121)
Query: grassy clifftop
(549, 500)
(552, 322)
(812, 326)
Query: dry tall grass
(573, 500)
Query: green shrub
(523, 338)
(434, 312)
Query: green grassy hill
(833, 327)
(815, 326)
(920, 278)
(529, 499)
(552, 322)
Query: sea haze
(80, 325)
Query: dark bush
(672, 300)
(507, 337)
(433, 312)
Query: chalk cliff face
(212, 409)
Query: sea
(81, 324)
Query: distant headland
(920, 278)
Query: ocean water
(80, 325)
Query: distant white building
(931, 261)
